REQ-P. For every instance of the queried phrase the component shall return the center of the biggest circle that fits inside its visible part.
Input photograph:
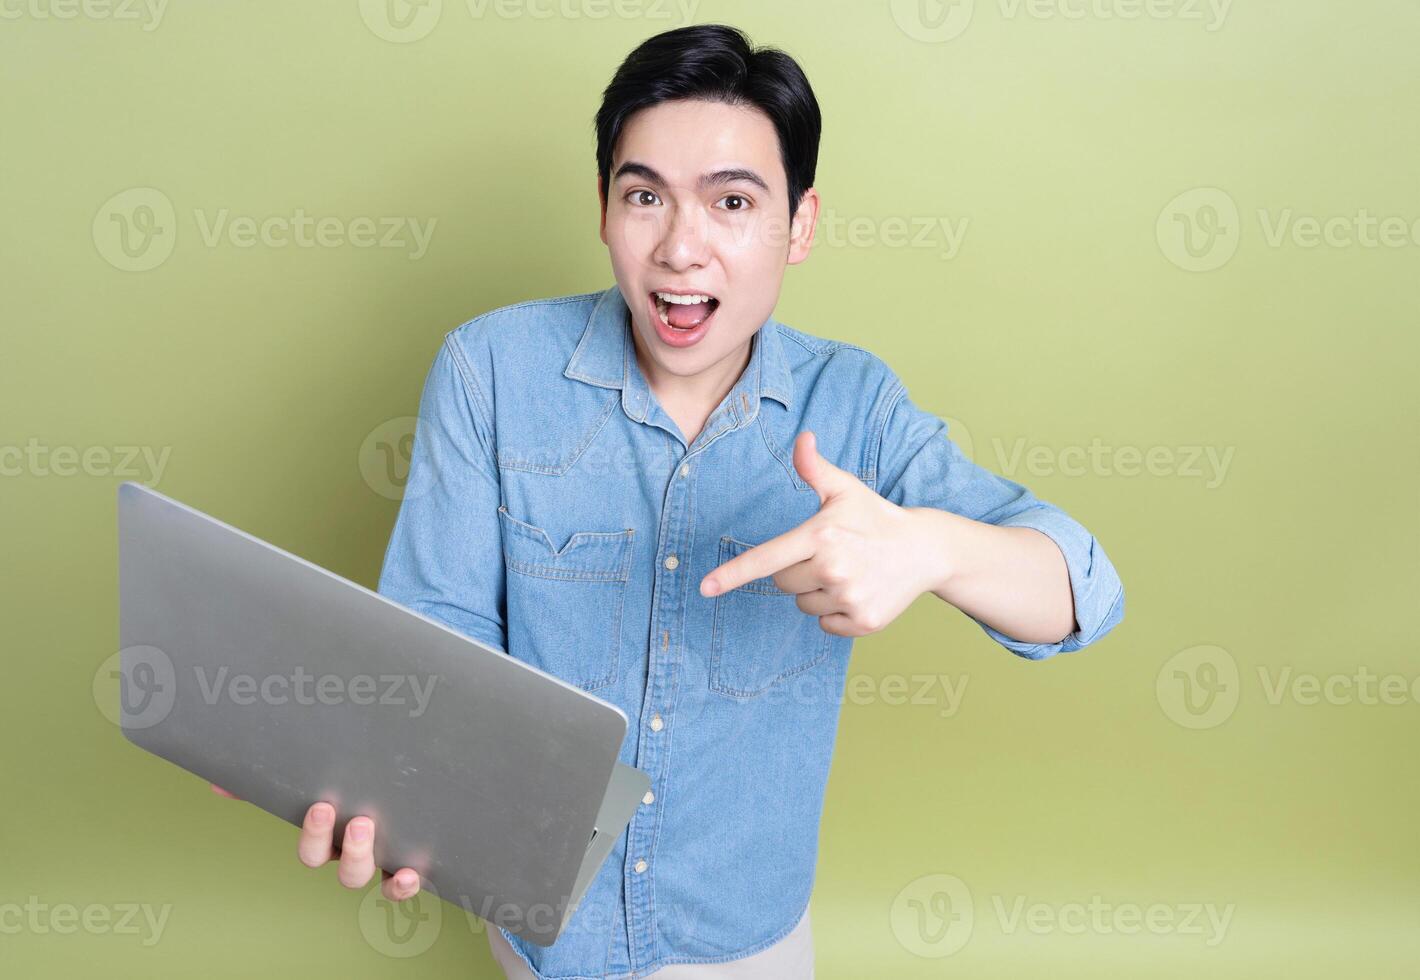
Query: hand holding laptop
(356, 852)
(457, 770)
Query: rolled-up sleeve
(919, 465)
(444, 557)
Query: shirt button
(672, 561)
(656, 723)
(684, 469)
(640, 866)
(649, 797)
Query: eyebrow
(715, 178)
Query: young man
(663, 495)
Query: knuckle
(351, 876)
(310, 859)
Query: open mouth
(684, 312)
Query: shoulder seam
(830, 346)
(879, 428)
(470, 384)
(799, 338)
(545, 301)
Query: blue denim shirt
(555, 512)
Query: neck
(699, 393)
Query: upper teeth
(690, 300)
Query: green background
(1070, 316)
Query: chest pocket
(564, 607)
(759, 635)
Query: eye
(637, 198)
(742, 204)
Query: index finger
(763, 559)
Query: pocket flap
(587, 555)
(731, 547)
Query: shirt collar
(606, 357)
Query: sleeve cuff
(1097, 590)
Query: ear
(801, 231)
(601, 196)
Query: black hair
(716, 63)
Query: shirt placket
(653, 744)
(668, 598)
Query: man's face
(698, 207)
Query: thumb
(828, 480)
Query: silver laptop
(287, 684)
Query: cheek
(753, 244)
(630, 236)
(770, 234)
(753, 273)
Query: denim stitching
(787, 461)
(470, 382)
(538, 538)
(540, 535)
(675, 684)
(728, 546)
(507, 461)
(887, 411)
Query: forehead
(684, 139)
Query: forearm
(1013, 579)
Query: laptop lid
(287, 684)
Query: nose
(683, 244)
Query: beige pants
(791, 958)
